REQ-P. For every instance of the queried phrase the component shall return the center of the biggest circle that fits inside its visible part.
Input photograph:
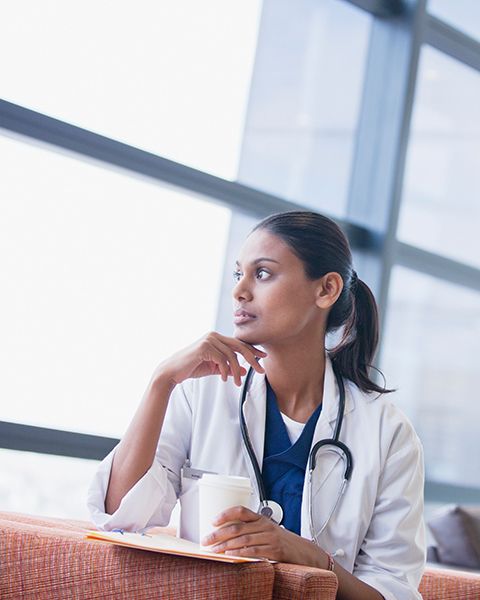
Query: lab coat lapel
(254, 411)
(324, 430)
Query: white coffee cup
(216, 493)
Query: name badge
(188, 472)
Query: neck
(296, 374)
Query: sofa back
(45, 559)
(441, 584)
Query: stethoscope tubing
(313, 452)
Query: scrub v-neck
(284, 463)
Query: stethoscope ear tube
(248, 444)
(337, 444)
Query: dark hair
(323, 248)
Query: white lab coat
(378, 522)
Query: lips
(242, 316)
(243, 313)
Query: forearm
(136, 451)
(349, 586)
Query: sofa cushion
(438, 584)
(471, 519)
(45, 559)
(456, 544)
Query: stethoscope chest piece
(272, 510)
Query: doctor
(294, 283)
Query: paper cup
(217, 493)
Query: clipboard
(165, 544)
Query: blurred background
(140, 142)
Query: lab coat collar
(331, 395)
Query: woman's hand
(256, 536)
(212, 354)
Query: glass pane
(49, 486)
(305, 100)
(43, 484)
(168, 77)
(462, 14)
(440, 210)
(104, 275)
(430, 355)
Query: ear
(329, 288)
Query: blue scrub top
(284, 464)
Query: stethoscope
(270, 508)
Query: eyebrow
(258, 260)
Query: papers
(165, 544)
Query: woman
(294, 283)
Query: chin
(249, 337)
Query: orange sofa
(45, 558)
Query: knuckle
(209, 337)
(235, 528)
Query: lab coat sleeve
(151, 500)
(392, 555)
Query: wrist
(324, 560)
(162, 383)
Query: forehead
(262, 244)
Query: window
(431, 353)
(104, 275)
(462, 14)
(305, 101)
(43, 484)
(168, 77)
(440, 210)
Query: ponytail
(322, 247)
(354, 355)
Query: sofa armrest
(449, 585)
(48, 559)
(305, 583)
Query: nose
(241, 291)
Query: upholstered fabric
(45, 559)
(440, 584)
(471, 518)
(453, 528)
(305, 583)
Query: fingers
(236, 370)
(224, 536)
(249, 352)
(256, 537)
(230, 354)
(236, 513)
(223, 367)
(247, 542)
(219, 353)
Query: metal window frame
(451, 41)
(383, 9)
(28, 438)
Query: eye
(262, 274)
(236, 276)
